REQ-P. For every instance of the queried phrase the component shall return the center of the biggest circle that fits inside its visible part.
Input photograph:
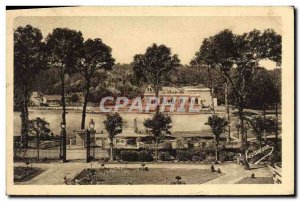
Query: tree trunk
(86, 99)
(24, 117)
(157, 96)
(63, 100)
(211, 90)
(156, 150)
(260, 143)
(227, 111)
(217, 150)
(276, 131)
(111, 150)
(38, 147)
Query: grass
(113, 176)
(256, 180)
(22, 174)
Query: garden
(144, 175)
(22, 174)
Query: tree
(155, 65)
(113, 125)
(237, 59)
(39, 128)
(29, 60)
(95, 55)
(157, 125)
(218, 125)
(263, 91)
(63, 47)
(261, 125)
(258, 126)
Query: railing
(276, 171)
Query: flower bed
(108, 176)
(22, 174)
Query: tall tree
(237, 59)
(63, 51)
(29, 60)
(95, 55)
(113, 125)
(218, 125)
(154, 65)
(158, 124)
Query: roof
(129, 132)
(53, 97)
(200, 133)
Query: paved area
(55, 172)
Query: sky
(130, 35)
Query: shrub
(129, 155)
(219, 171)
(226, 156)
(252, 175)
(212, 168)
(164, 156)
(145, 156)
(167, 145)
(183, 155)
(196, 158)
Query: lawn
(256, 180)
(136, 176)
(22, 174)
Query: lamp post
(64, 142)
(88, 140)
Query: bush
(164, 156)
(129, 155)
(226, 156)
(167, 145)
(145, 156)
(219, 171)
(183, 155)
(212, 168)
(196, 158)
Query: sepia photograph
(150, 101)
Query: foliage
(218, 125)
(29, 60)
(132, 155)
(145, 156)
(167, 145)
(264, 90)
(74, 98)
(94, 55)
(164, 156)
(113, 124)
(127, 155)
(63, 48)
(159, 122)
(40, 128)
(261, 125)
(237, 59)
(154, 66)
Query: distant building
(36, 98)
(201, 95)
(52, 100)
